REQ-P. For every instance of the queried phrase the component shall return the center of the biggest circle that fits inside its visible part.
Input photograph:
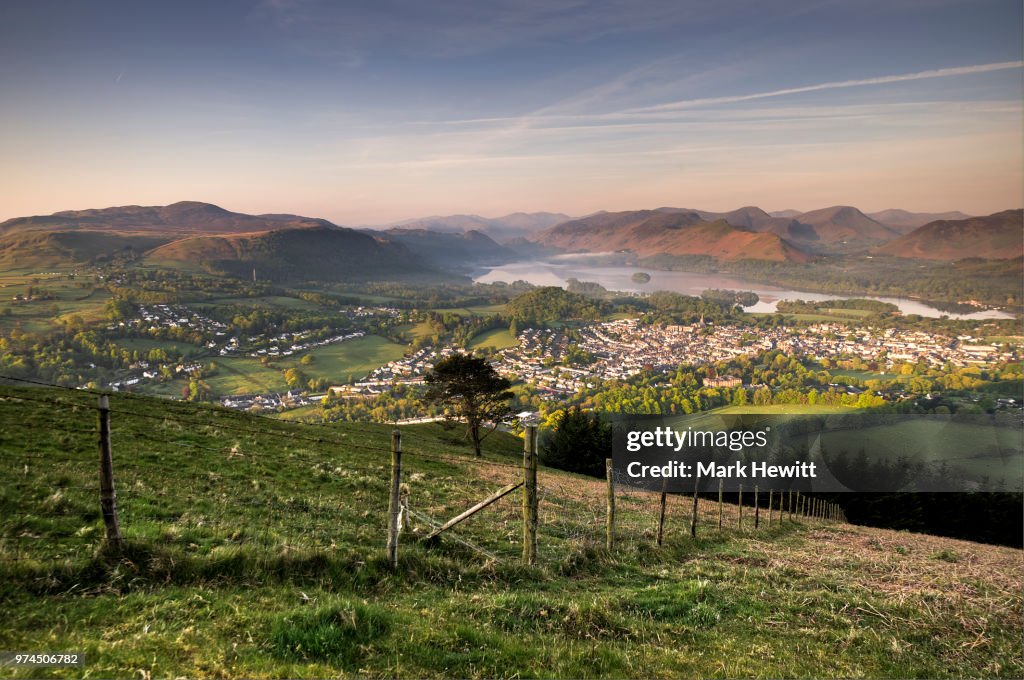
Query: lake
(555, 272)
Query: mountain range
(184, 217)
(190, 234)
(905, 222)
(505, 229)
(668, 232)
(285, 247)
(454, 250)
(318, 253)
(750, 233)
(995, 237)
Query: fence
(87, 473)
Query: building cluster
(172, 316)
(409, 370)
(620, 349)
(271, 401)
(296, 342)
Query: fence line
(557, 512)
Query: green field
(243, 375)
(353, 357)
(146, 344)
(255, 548)
(416, 331)
(498, 338)
(814, 318)
(39, 316)
(298, 414)
(867, 375)
(839, 311)
(802, 409)
(978, 449)
(1005, 339)
(479, 310)
(271, 301)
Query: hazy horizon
(369, 115)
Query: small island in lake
(642, 277)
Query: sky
(377, 111)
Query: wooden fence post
(610, 528)
(661, 517)
(799, 503)
(721, 483)
(757, 509)
(108, 497)
(530, 496)
(771, 494)
(739, 523)
(789, 505)
(394, 502)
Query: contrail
(881, 80)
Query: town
(557, 366)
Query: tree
(294, 377)
(579, 442)
(469, 389)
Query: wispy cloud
(553, 116)
(457, 28)
(833, 85)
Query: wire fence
(214, 484)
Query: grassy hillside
(996, 237)
(322, 253)
(255, 548)
(650, 232)
(63, 248)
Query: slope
(184, 217)
(460, 251)
(321, 253)
(999, 236)
(254, 549)
(65, 248)
(671, 232)
(503, 229)
(905, 221)
(845, 225)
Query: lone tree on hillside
(470, 390)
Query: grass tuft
(337, 634)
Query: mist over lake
(556, 271)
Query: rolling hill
(755, 219)
(319, 253)
(845, 226)
(62, 248)
(282, 247)
(671, 232)
(905, 222)
(182, 218)
(999, 236)
(457, 250)
(503, 229)
(828, 230)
